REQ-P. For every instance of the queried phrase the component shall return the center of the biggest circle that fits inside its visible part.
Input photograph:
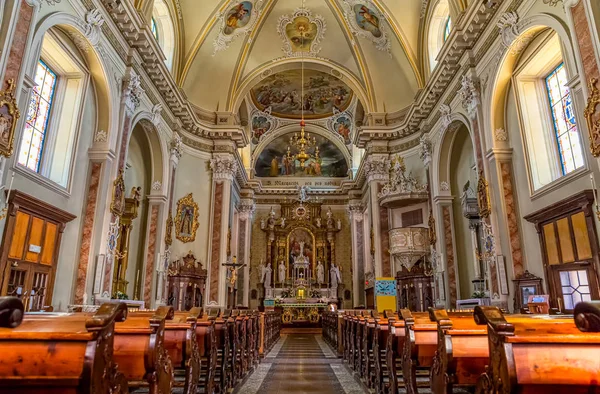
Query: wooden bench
(60, 353)
(181, 343)
(538, 354)
(140, 351)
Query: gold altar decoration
(432, 233)
(589, 114)
(129, 214)
(9, 114)
(294, 232)
(301, 313)
(186, 220)
(169, 230)
(483, 196)
(117, 206)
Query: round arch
(159, 163)
(311, 128)
(443, 154)
(236, 98)
(495, 103)
(107, 94)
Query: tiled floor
(301, 363)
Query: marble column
(224, 168)
(155, 213)
(246, 211)
(444, 207)
(377, 171)
(15, 41)
(355, 214)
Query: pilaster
(356, 216)
(246, 210)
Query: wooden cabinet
(30, 249)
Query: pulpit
(187, 281)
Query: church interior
(299, 196)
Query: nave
(301, 362)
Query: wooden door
(30, 247)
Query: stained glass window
(563, 118)
(154, 28)
(447, 28)
(36, 124)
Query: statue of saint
(266, 276)
(335, 276)
(330, 219)
(282, 272)
(320, 273)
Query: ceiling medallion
(262, 123)
(366, 21)
(301, 33)
(238, 20)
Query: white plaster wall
(194, 177)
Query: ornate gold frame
(169, 230)
(589, 112)
(187, 200)
(432, 233)
(483, 196)
(7, 98)
(119, 183)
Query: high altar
(299, 273)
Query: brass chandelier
(302, 142)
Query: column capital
(224, 167)
(176, 146)
(246, 208)
(355, 211)
(469, 94)
(425, 150)
(157, 199)
(131, 92)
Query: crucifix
(232, 271)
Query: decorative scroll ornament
(132, 92)
(483, 196)
(366, 21)
(117, 206)
(301, 27)
(399, 182)
(593, 120)
(186, 219)
(377, 168)
(156, 111)
(176, 146)
(223, 167)
(9, 114)
(446, 116)
(409, 245)
(425, 151)
(238, 20)
(552, 3)
(262, 123)
(509, 29)
(469, 96)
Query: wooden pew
(140, 351)
(206, 336)
(378, 362)
(462, 352)
(181, 344)
(538, 354)
(60, 353)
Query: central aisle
(301, 363)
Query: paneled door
(30, 247)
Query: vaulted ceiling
(384, 79)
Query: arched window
(163, 30)
(54, 114)
(440, 26)
(551, 137)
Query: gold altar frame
(187, 201)
(314, 249)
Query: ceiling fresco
(273, 162)
(323, 93)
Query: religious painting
(342, 126)
(301, 247)
(274, 161)
(322, 94)
(260, 125)
(367, 20)
(186, 219)
(237, 17)
(9, 114)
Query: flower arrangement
(121, 296)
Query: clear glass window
(38, 113)
(563, 119)
(575, 288)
